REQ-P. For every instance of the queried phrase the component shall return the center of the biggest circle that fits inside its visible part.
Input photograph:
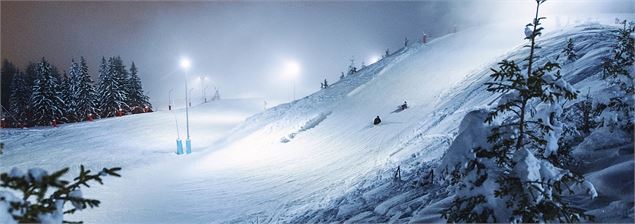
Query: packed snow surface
(312, 154)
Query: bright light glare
(373, 59)
(291, 69)
(185, 63)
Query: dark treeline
(41, 95)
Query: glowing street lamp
(185, 65)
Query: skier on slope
(377, 121)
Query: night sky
(242, 47)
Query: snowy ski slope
(305, 156)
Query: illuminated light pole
(185, 64)
(170, 99)
(189, 102)
(203, 88)
(205, 94)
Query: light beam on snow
(373, 58)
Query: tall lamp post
(189, 102)
(203, 88)
(205, 94)
(185, 64)
(170, 99)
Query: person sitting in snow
(377, 121)
(401, 107)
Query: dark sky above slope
(242, 47)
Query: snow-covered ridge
(425, 142)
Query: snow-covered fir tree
(19, 98)
(569, 51)
(31, 73)
(8, 72)
(618, 73)
(136, 97)
(588, 112)
(84, 101)
(216, 95)
(112, 96)
(515, 176)
(46, 102)
(65, 90)
(120, 73)
(71, 100)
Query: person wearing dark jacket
(377, 121)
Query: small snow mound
(472, 134)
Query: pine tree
(30, 75)
(123, 77)
(112, 95)
(618, 76)
(8, 72)
(514, 179)
(216, 95)
(569, 52)
(72, 88)
(41, 196)
(19, 99)
(83, 95)
(588, 111)
(136, 97)
(65, 91)
(46, 98)
(61, 104)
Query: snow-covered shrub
(515, 177)
(618, 74)
(26, 197)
